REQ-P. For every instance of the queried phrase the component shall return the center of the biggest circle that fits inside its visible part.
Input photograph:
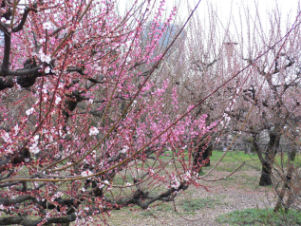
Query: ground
(197, 206)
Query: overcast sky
(224, 7)
(227, 8)
(231, 9)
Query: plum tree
(84, 130)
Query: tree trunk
(287, 185)
(266, 174)
(267, 164)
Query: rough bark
(266, 174)
(287, 186)
(267, 164)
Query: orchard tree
(264, 98)
(269, 93)
(83, 129)
(212, 69)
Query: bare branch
(144, 199)
(19, 27)
(7, 46)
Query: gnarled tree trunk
(268, 161)
(287, 185)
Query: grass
(260, 217)
(233, 158)
(282, 159)
(185, 206)
(193, 205)
(155, 210)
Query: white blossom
(36, 138)
(44, 58)
(124, 149)
(7, 22)
(98, 68)
(61, 85)
(151, 172)
(42, 41)
(57, 100)
(134, 103)
(45, 90)
(86, 173)
(175, 183)
(22, 5)
(47, 70)
(93, 131)
(94, 153)
(5, 136)
(100, 186)
(187, 176)
(16, 129)
(29, 111)
(34, 147)
(56, 195)
(47, 25)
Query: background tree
(269, 93)
(261, 103)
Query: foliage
(260, 217)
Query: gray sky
(225, 8)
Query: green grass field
(261, 217)
(251, 159)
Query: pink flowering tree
(84, 128)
